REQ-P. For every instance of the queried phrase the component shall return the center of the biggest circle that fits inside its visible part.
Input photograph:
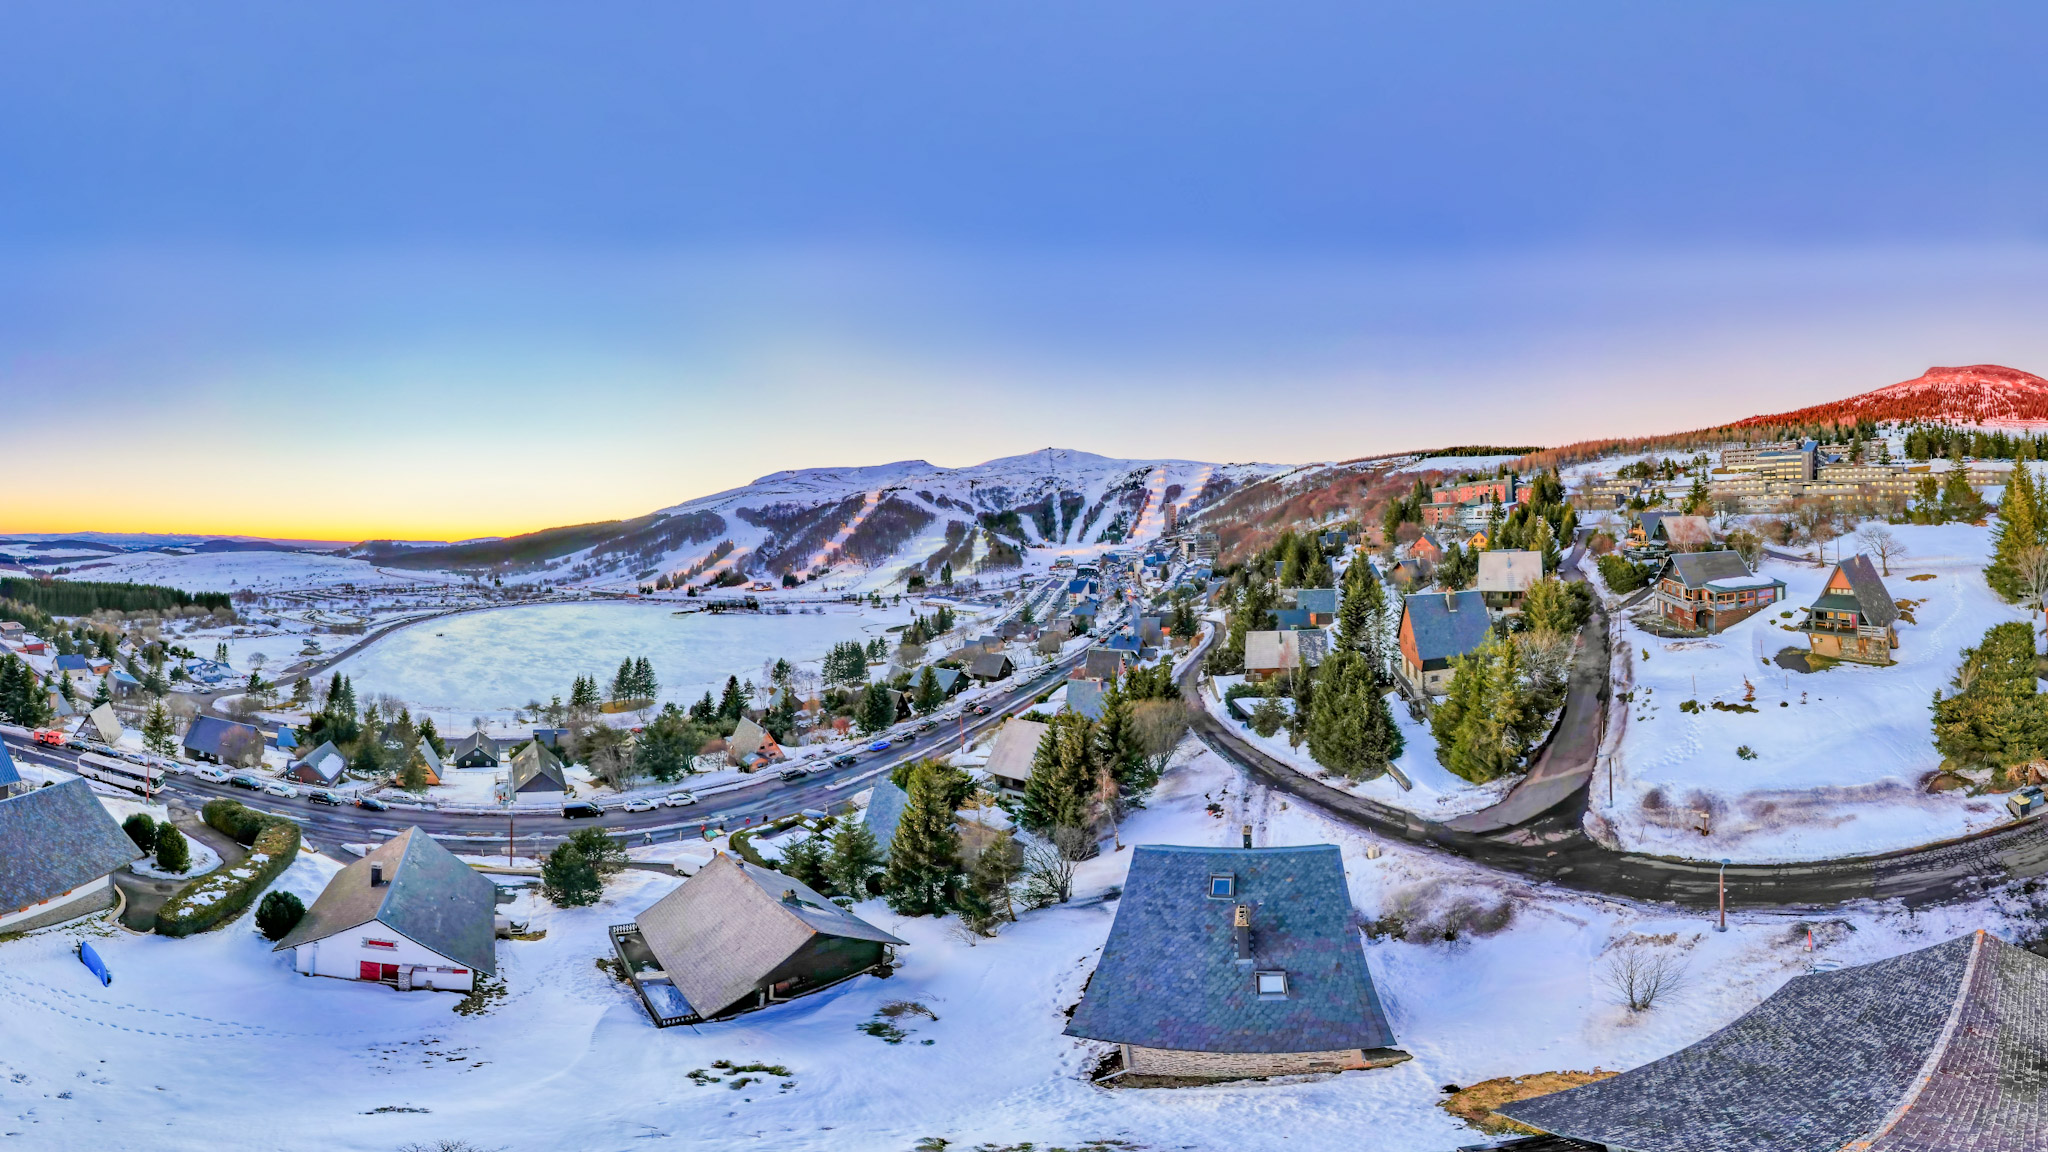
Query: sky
(344, 271)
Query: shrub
(232, 818)
(1622, 576)
(278, 914)
(568, 879)
(221, 896)
(172, 853)
(141, 829)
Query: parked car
(927, 725)
(250, 782)
(679, 799)
(879, 746)
(213, 774)
(323, 796)
(981, 709)
(904, 737)
(793, 773)
(50, 736)
(846, 761)
(580, 810)
(276, 789)
(640, 804)
(372, 804)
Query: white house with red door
(408, 914)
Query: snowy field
(1841, 755)
(214, 1042)
(482, 663)
(258, 571)
(1457, 463)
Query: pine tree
(946, 573)
(568, 879)
(2018, 530)
(929, 697)
(1480, 726)
(1361, 616)
(804, 862)
(855, 862)
(923, 876)
(622, 680)
(1063, 774)
(1351, 730)
(876, 712)
(704, 711)
(157, 735)
(733, 704)
(432, 738)
(644, 682)
(104, 694)
(414, 777)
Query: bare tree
(1639, 977)
(2032, 566)
(1048, 874)
(1879, 541)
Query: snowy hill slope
(1979, 395)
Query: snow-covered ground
(1841, 755)
(215, 1042)
(253, 571)
(485, 663)
(1437, 794)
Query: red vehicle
(49, 736)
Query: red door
(367, 970)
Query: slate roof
(535, 769)
(948, 679)
(326, 760)
(747, 739)
(1508, 571)
(884, 812)
(1169, 976)
(1318, 600)
(206, 733)
(1016, 746)
(1441, 633)
(1939, 1049)
(1286, 649)
(428, 896)
(1872, 600)
(990, 666)
(1104, 664)
(1289, 619)
(1085, 697)
(1698, 569)
(728, 927)
(471, 743)
(55, 839)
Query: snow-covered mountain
(1979, 395)
(885, 520)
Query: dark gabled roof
(1440, 632)
(536, 769)
(471, 743)
(1085, 697)
(8, 773)
(1287, 619)
(1698, 569)
(430, 897)
(1169, 976)
(1873, 601)
(885, 811)
(729, 927)
(206, 733)
(1938, 1049)
(54, 839)
(1320, 600)
(1104, 664)
(948, 679)
(990, 666)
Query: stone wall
(1142, 1061)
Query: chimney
(376, 875)
(1247, 835)
(1241, 934)
(789, 895)
(1450, 602)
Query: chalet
(1505, 577)
(535, 769)
(11, 783)
(1710, 591)
(1436, 628)
(1085, 612)
(1227, 963)
(991, 666)
(100, 724)
(1939, 1048)
(219, 741)
(1684, 533)
(408, 914)
(1126, 642)
(1009, 761)
(950, 680)
(322, 767)
(752, 747)
(434, 764)
(1319, 603)
(1151, 631)
(1085, 697)
(1427, 550)
(59, 849)
(475, 750)
(1104, 664)
(1855, 617)
(1271, 654)
(1411, 573)
(976, 830)
(1079, 590)
(735, 938)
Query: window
(1271, 985)
(1222, 886)
(391, 945)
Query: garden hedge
(220, 896)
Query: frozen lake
(485, 663)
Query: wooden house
(408, 914)
(991, 666)
(752, 747)
(1268, 655)
(1436, 628)
(1505, 577)
(475, 750)
(1855, 617)
(1016, 746)
(322, 767)
(1709, 591)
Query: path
(839, 540)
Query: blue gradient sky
(354, 270)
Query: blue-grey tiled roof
(885, 811)
(1323, 600)
(1287, 619)
(428, 895)
(72, 663)
(1828, 1058)
(1085, 697)
(8, 773)
(1440, 632)
(55, 839)
(1169, 976)
(206, 733)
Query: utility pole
(1723, 925)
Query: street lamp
(1723, 925)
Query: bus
(120, 773)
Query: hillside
(1984, 395)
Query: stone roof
(428, 896)
(1873, 601)
(535, 769)
(1939, 1049)
(884, 812)
(1103, 663)
(1170, 975)
(1016, 746)
(1446, 624)
(1085, 697)
(1698, 569)
(55, 839)
(990, 666)
(1508, 571)
(471, 743)
(732, 924)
